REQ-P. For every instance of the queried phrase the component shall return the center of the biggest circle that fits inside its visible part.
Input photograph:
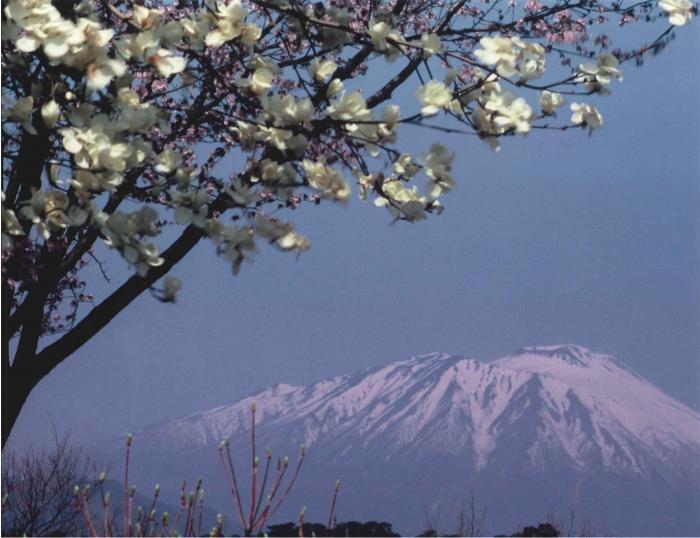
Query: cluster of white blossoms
(229, 25)
(280, 234)
(438, 165)
(126, 233)
(326, 180)
(103, 146)
(350, 109)
(595, 76)
(105, 125)
(234, 243)
(407, 203)
(80, 44)
(50, 211)
(496, 111)
(511, 56)
(191, 207)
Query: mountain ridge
(556, 413)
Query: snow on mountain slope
(548, 424)
(589, 405)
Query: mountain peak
(433, 356)
(570, 353)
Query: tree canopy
(145, 127)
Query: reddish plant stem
(231, 475)
(290, 485)
(253, 490)
(127, 504)
(86, 514)
(331, 517)
(279, 476)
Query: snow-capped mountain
(549, 426)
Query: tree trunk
(30, 367)
(16, 385)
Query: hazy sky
(559, 238)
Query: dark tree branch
(53, 354)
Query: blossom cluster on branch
(122, 119)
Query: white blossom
(171, 286)
(166, 63)
(679, 11)
(378, 33)
(10, 227)
(327, 180)
(321, 70)
(433, 96)
(438, 165)
(21, 111)
(510, 112)
(349, 107)
(586, 116)
(430, 43)
(168, 161)
(335, 86)
(259, 82)
(601, 73)
(50, 113)
(498, 51)
(549, 102)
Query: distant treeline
(372, 529)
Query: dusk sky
(558, 238)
